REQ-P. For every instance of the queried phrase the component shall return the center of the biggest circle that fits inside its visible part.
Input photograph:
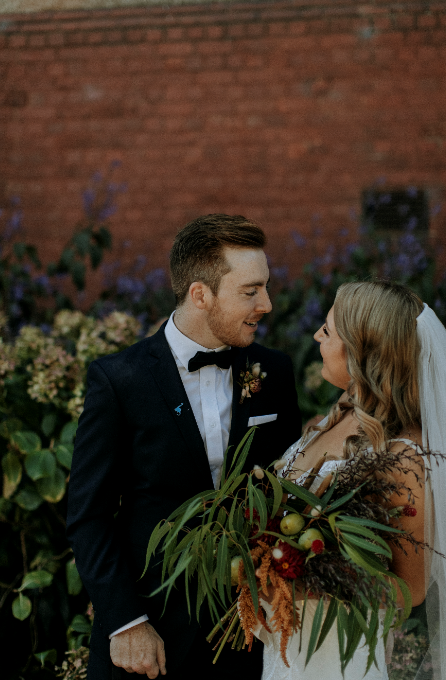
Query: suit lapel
(240, 412)
(165, 372)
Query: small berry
(409, 511)
(317, 547)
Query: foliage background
(47, 344)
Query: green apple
(292, 524)
(234, 569)
(307, 538)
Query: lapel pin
(178, 410)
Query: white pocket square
(260, 420)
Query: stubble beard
(222, 329)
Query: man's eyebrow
(255, 283)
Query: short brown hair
(197, 253)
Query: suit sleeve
(93, 500)
(290, 415)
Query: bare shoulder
(409, 443)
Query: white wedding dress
(325, 663)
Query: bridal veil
(432, 392)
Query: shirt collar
(182, 346)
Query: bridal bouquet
(260, 534)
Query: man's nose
(264, 303)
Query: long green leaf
(250, 499)
(315, 629)
(179, 524)
(372, 641)
(157, 534)
(341, 622)
(278, 492)
(370, 523)
(239, 448)
(168, 583)
(222, 560)
(203, 496)
(260, 505)
(362, 531)
(300, 492)
(344, 499)
(329, 620)
(366, 545)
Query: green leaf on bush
(40, 464)
(12, 474)
(74, 582)
(48, 424)
(64, 454)
(26, 441)
(50, 655)
(80, 624)
(36, 579)
(21, 607)
(52, 489)
(68, 432)
(28, 498)
(8, 426)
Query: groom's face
(242, 298)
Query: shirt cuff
(135, 622)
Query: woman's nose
(317, 335)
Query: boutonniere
(251, 380)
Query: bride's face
(333, 353)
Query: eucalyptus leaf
(222, 561)
(366, 545)
(277, 490)
(315, 629)
(329, 620)
(156, 536)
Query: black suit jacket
(136, 460)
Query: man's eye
(252, 294)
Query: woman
(374, 348)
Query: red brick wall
(278, 111)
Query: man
(157, 420)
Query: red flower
(317, 546)
(255, 514)
(409, 511)
(291, 564)
(271, 525)
(255, 385)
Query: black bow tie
(221, 359)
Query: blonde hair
(376, 321)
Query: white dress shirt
(209, 391)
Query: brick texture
(279, 111)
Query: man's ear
(200, 295)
